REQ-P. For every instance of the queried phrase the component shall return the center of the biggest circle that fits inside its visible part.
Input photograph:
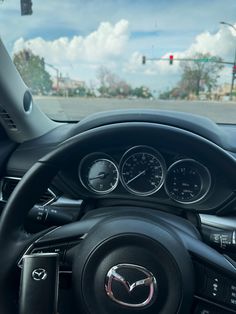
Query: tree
(111, 84)
(199, 75)
(104, 76)
(32, 70)
(142, 92)
(165, 95)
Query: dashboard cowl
(194, 123)
(29, 152)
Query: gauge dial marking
(99, 175)
(142, 170)
(187, 181)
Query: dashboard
(169, 161)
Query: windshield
(82, 57)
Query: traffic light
(171, 59)
(234, 69)
(143, 60)
(26, 7)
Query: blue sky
(80, 36)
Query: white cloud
(172, 29)
(108, 41)
(221, 43)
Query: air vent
(47, 198)
(8, 184)
(7, 119)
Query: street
(60, 108)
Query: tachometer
(187, 181)
(99, 175)
(142, 170)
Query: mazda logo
(39, 274)
(148, 280)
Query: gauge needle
(136, 177)
(100, 176)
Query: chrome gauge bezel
(142, 149)
(92, 158)
(204, 189)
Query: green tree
(197, 76)
(32, 70)
(142, 92)
(165, 95)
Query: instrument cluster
(142, 171)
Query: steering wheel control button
(59, 249)
(215, 287)
(39, 284)
(231, 295)
(39, 274)
(139, 293)
(205, 308)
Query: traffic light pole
(233, 78)
(234, 65)
(214, 60)
(57, 73)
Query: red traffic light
(234, 69)
(171, 59)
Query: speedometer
(142, 170)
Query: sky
(79, 36)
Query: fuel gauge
(99, 175)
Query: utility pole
(234, 64)
(57, 74)
(233, 77)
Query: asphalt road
(60, 108)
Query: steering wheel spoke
(55, 240)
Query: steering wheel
(130, 259)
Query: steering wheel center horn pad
(128, 265)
